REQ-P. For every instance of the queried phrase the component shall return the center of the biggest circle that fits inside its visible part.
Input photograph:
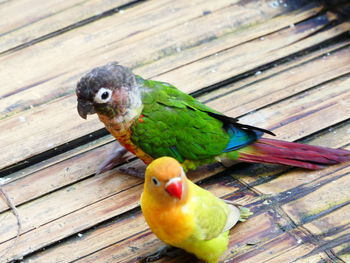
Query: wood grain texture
(226, 18)
(80, 188)
(282, 65)
(21, 23)
(33, 118)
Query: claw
(244, 211)
(117, 156)
(166, 250)
(137, 170)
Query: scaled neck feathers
(126, 113)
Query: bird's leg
(163, 251)
(137, 169)
(117, 156)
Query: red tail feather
(290, 153)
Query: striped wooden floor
(282, 65)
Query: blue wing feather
(240, 137)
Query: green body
(153, 119)
(207, 241)
(175, 124)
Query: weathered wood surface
(48, 18)
(282, 65)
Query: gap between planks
(93, 183)
(221, 105)
(55, 137)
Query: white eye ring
(155, 181)
(103, 95)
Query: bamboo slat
(295, 85)
(77, 128)
(97, 41)
(247, 233)
(301, 76)
(150, 46)
(77, 196)
(330, 194)
(287, 68)
(22, 23)
(90, 158)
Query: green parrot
(152, 119)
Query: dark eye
(103, 95)
(155, 181)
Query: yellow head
(166, 180)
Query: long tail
(294, 154)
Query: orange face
(164, 201)
(166, 180)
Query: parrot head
(166, 179)
(110, 91)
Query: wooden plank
(292, 102)
(55, 176)
(258, 231)
(342, 251)
(109, 234)
(60, 158)
(220, 104)
(23, 98)
(22, 23)
(244, 30)
(72, 198)
(95, 157)
(40, 92)
(125, 251)
(280, 85)
(60, 228)
(252, 54)
(65, 70)
(31, 119)
(330, 193)
(57, 197)
(277, 249)
(331, 226)
(81, 211)
(145, 243)
(258, 76)
(305, 113)
(223, 102)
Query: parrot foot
(163, 251)
(117, 156)
(138, 172)
(244, 211)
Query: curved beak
(84, 108)
(174, 187)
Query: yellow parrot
(184, 215)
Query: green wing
(175, 124)
(211, 213)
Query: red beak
(174, 187)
